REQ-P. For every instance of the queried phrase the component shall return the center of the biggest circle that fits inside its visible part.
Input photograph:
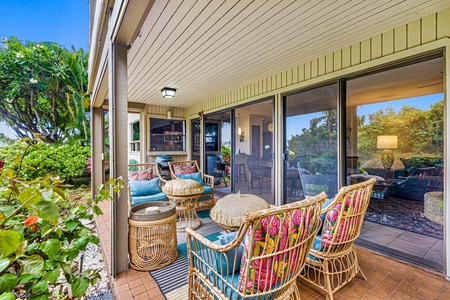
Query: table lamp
(387, 142)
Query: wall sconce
(387, 142)
(169, 114)
(270, 127)
(168, 92)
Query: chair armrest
(208, 180)
(195, 236)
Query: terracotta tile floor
(387, 278)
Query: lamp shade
(387, 142)
(168, 92)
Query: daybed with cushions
(144, 184)
(189, 170)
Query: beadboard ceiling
(205, 48)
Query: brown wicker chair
(332, 262)
(206, 201)
(144, 172)
(275, 244)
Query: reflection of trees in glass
(320, 139)
(136, 133)
(420, 132)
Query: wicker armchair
(332, 262)
(144, 172)
(259, 261)
(189, 170)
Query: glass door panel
(217, 150)
(311, 143)
(252, 166)
(395, 134)
(195, 127)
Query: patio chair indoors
(189, 170)
(144, 184)
(259, 261)
(257, 172)
(332, 262)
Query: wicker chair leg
(328, 278)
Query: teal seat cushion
(148, 198)
(144, 187)
(223, 263)
(227, 264)
(234, 281)
(317, 242)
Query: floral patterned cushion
(185, 169)
(133, 175)
(141, 175)
(273, 234)
(352, 205)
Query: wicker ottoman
(229, 210)
(152, 235)
(184, 194)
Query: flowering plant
(42, 233)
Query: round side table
(229, 210)
(184, 194)
(152, 235)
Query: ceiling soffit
(207, 48)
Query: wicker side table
(184, 194)
(152, 236)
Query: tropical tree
(43, 89)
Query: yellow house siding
(414, 34)
(443, 24)
(156, 110)
(387, 43)
(425, 30)
(400, 39)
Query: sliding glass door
(311, 143)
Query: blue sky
(65, 22)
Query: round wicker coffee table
(152, 235)
(229, 210)
(184, 194)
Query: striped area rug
(172, 280)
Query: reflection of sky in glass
(295, 124)
(422, 102)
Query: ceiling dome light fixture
(168, 92)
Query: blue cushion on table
(144, 187)
(193, 176)
(148, 198)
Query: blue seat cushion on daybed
(148, 198)
(144, 187)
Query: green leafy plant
(42, 233)
(66, 161)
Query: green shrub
(42, 233)
(66, 161)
